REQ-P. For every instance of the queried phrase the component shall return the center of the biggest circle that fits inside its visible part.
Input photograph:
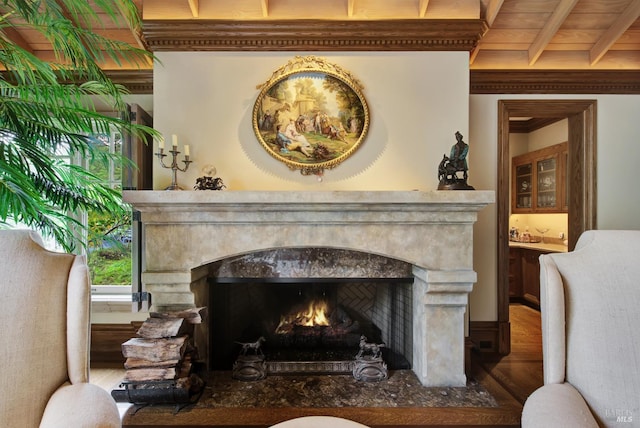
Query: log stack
(163, 353)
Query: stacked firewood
(163, 349)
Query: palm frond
(46, 112)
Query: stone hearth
(186, 232)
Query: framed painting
(311, 115)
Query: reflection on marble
(401, 389)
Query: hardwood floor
(509, 379)
(520, 372)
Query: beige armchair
(590, 304)
(44, 314)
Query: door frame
(581, 176)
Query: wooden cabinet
(524, 275)
(539, 181)
(515, 273)
(531, 276)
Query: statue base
(249, 368)
(457, 184)
(370, 369)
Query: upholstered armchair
(590, 305)
(44, 314)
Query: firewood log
(156, 328)
(191, 315)
(141, 375)
(155, 349)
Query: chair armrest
(557, 405)
(82, 405)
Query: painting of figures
(311, 119)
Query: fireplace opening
(310, 320)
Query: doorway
(581, 178)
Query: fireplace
(192, 239)
(310, 308)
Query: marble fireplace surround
(186, 231)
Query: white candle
(186, 150)
(161, 144)
(174, 140)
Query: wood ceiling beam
(550, 29)
(194, 5)
(350, 5)
(264, 4)
(490, 15)
(613, 33)
(492, 11)
(15, 36)
(424, 4)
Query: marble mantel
(187, 230)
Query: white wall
(618, 155)
(417, 102)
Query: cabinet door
(531, 276)
(523, 187)
(547, 179)
(515, 273)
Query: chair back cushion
(601, 281)
(33, 316)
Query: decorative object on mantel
(174, 163)
(207, 181)
(453, 164)
(311, 115)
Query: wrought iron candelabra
(174, 166)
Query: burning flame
(315, 314)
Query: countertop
(552, 248)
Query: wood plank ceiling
(515, 46)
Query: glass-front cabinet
(524, 178)
(539, 181)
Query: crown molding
(313, 35)
(555, 82)
(136, 81)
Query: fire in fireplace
(311, 322)
(313, 314)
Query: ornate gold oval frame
(321, 112)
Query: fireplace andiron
(250, 364)
(369, 365)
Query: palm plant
(46, 110)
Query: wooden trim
(623, 82)
(313, 35)
(136, 81)
(581, 175)
(107, 340)
(485, 336)
(533, 124)
(555, 82)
